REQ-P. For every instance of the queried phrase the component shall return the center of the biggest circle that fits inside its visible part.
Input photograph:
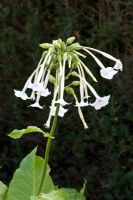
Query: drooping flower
(61, 113)
(106, 72)
(100, 102)
(21, 94)
(59, 62)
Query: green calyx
(63, 50)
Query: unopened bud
(70, 40)
(45, 45)
(56, 44)
(75, 46)
(69, 90)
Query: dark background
(103, 153)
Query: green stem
(48, 148)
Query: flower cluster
(59, 62)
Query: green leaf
(26, 179)
(62, 194)
(55, 195)
(46, 134)
(3, 191)
(19, 133)
(82, 191)
(74, 194)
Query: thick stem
(48, 148)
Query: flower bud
(45, 45)
(75, 83)
(56, 44)
(51, 79)
(75, 46)
(74, 73)
(70, 40)
(69, 90)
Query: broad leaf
(30, 129)
(61, 194)
(26, 179)
(74, 194)
(3, 191)
(55, 195)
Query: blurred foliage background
(102, 154)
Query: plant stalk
(48, 146)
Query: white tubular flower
(88, 71)
(108, 72)
(37, 87)
(85, 86)
(40, 73)
(21, 94)
(58, 59)
(61, 112)
(103, 53)
(82, 103)
(61, 100)
(36, 104)
(47, 124)
(118, 65)
(80, 113)
(100, 102)
(44, 92)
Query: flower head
(59, 62)
(21, 94)
(100, 102)
(108, 72)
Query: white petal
(44, 92)
(36, 86)
(89, 86)
(108, 72)
(47, 124)
(81, 114)
(96, 59)
(36, 105)
(82, 104)
(61, 102)
(118, 65)
(100, 102)
(21, 94)
(61, 112)
(103, 53)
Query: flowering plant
(58, 63)
(61, 65)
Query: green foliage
(30, 129)
(26, 179)
(3, 191)
(54, 195)
(62, 194)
